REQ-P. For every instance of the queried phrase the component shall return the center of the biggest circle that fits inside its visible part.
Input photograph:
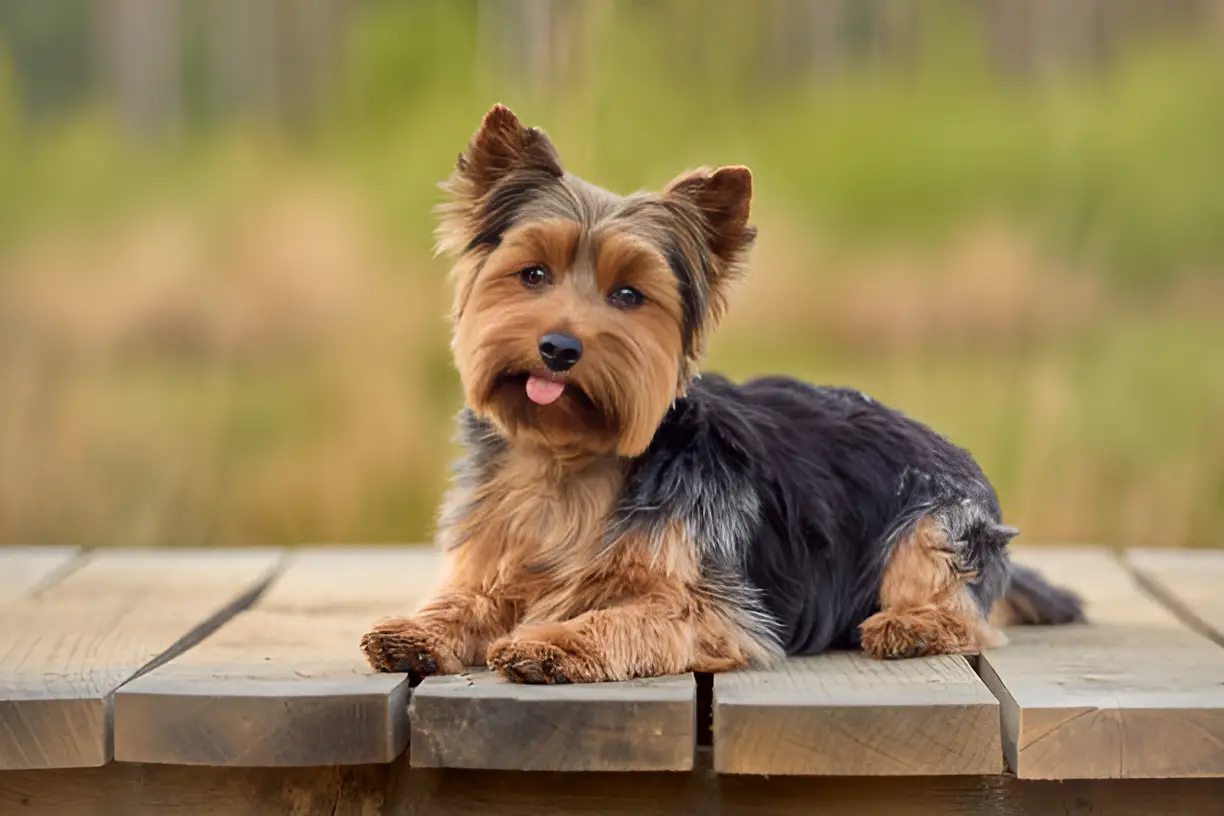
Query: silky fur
(652, 521)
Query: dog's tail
(1032, 600)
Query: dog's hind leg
(926, 604)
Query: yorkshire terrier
(616, 515)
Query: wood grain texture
(1189, 582)
(64, 651)
(1131, 694)
(481, 721)
(849, 714)
(370, 790)
(25, 569)
(285, 683)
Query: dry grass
(258, 378)
(987, 286)
(279, 373)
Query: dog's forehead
(569, 198)
(597, 212)
(600, 201)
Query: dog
(616, 515)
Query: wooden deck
(230, 682)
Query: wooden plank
(1131, 694)
(1189, 582)
(285, 683)
(169, 790)
(849, 714)
(64, 651)
(24, 569)
(481, 721)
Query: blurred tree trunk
(1041, 38)
(138, 46)
(309, 36)
(266, 59)
(241, 47)
(159, 62)
(542, 44)
(826, 38)
(273, 59)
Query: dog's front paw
(402, 645)
(537, 659)
(893, 635)
(529, 661)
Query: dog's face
(580, 315)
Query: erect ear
(500, 147)
(724, 197)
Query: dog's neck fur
(527, 506)
(561, 475)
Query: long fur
(652, 520)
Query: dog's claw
(915, 649)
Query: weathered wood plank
(1190, 582)
(285, 683)
(849, 714)
(64, 651)
(1132, 694)
(167, 790)
(481, 721)
(24, 569)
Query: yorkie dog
(616, 515)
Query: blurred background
(221, 322)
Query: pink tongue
(542, 391)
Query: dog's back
(857, 509)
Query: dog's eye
(534, 276)
(626, 297)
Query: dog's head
(580, 315)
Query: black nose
(560, 351)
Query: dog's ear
(500, 147)
(724, 198)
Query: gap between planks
(1190, 583)
(285, 684)
(65, 651)
(1121, 612)
(1131, 694)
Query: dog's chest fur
(545, 528)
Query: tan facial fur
(619, 391)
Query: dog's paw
(891, 637)
(401, 645)
(527, 659)
(895, 635)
